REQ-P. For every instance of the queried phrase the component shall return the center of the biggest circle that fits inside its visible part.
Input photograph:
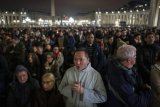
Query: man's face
(55, 49)
(22, 77)
(118, 34)
(48, 47)
(49, 58)
(124, 33)
(30, 58)
(80, 60)
(110, 40)
(150, 39)
(47, 84)
(90, 39)
(39, 50)
(132, 61)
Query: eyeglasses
(46, 82)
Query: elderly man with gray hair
(125, 86)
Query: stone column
(154, 11)
(158, 22)
(53, 11)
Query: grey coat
(94, 90)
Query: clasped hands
(77, 87)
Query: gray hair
(126, 51)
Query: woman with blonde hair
(48, 95)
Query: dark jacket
(146, 55)
(48, 99)
(4, 79)
(128, 84)
(97, 58)
(21, 95)
(15, 55)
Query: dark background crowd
(51, 50)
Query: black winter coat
(48, 99)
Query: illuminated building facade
(140, 15)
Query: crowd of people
(79, 67)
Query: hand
(146, 87)
(14, 45)
(77, 87)
(136, 40)
(12, 51)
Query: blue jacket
(128, 84)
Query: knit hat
(21, 68)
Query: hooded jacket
(20, 95)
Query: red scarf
(55, 55)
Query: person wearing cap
(21, 88)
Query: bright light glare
(71, 20)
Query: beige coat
(155, 84)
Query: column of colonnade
(9, 18)
(135, 18)
(154, 13)
(158, 22)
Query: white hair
(126, 51)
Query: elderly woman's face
(22, 77)
(47, 84)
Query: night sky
(63, 7)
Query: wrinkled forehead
(23, 72)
